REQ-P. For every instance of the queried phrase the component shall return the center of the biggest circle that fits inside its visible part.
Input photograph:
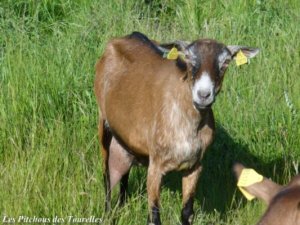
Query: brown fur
(146, 104)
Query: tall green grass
(49, 154)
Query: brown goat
(157, 112)
(283, 201)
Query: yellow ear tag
(173, 53)
(247, 178)
(240, 58)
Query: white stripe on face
(205, 83)
(203, 90)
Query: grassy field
(50, 164)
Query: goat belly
(172, 140)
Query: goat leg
(189, 183)
(105, 137)
(154, 178)
(120, 162)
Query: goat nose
(204, 94)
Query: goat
(157, 112)
(283, 201)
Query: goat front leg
(189, 184)
(154, 178)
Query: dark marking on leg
(124, 188)
(105, 140)
(154, 178)
(187, 213)
(107, 192)
(155, 216)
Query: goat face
(207, 61)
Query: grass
(50, 164)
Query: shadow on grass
(216, 189)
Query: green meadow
(50, 164)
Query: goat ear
(247, 51)
(224, 59)
(176, 49)
(264, 190)
(190, 55)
